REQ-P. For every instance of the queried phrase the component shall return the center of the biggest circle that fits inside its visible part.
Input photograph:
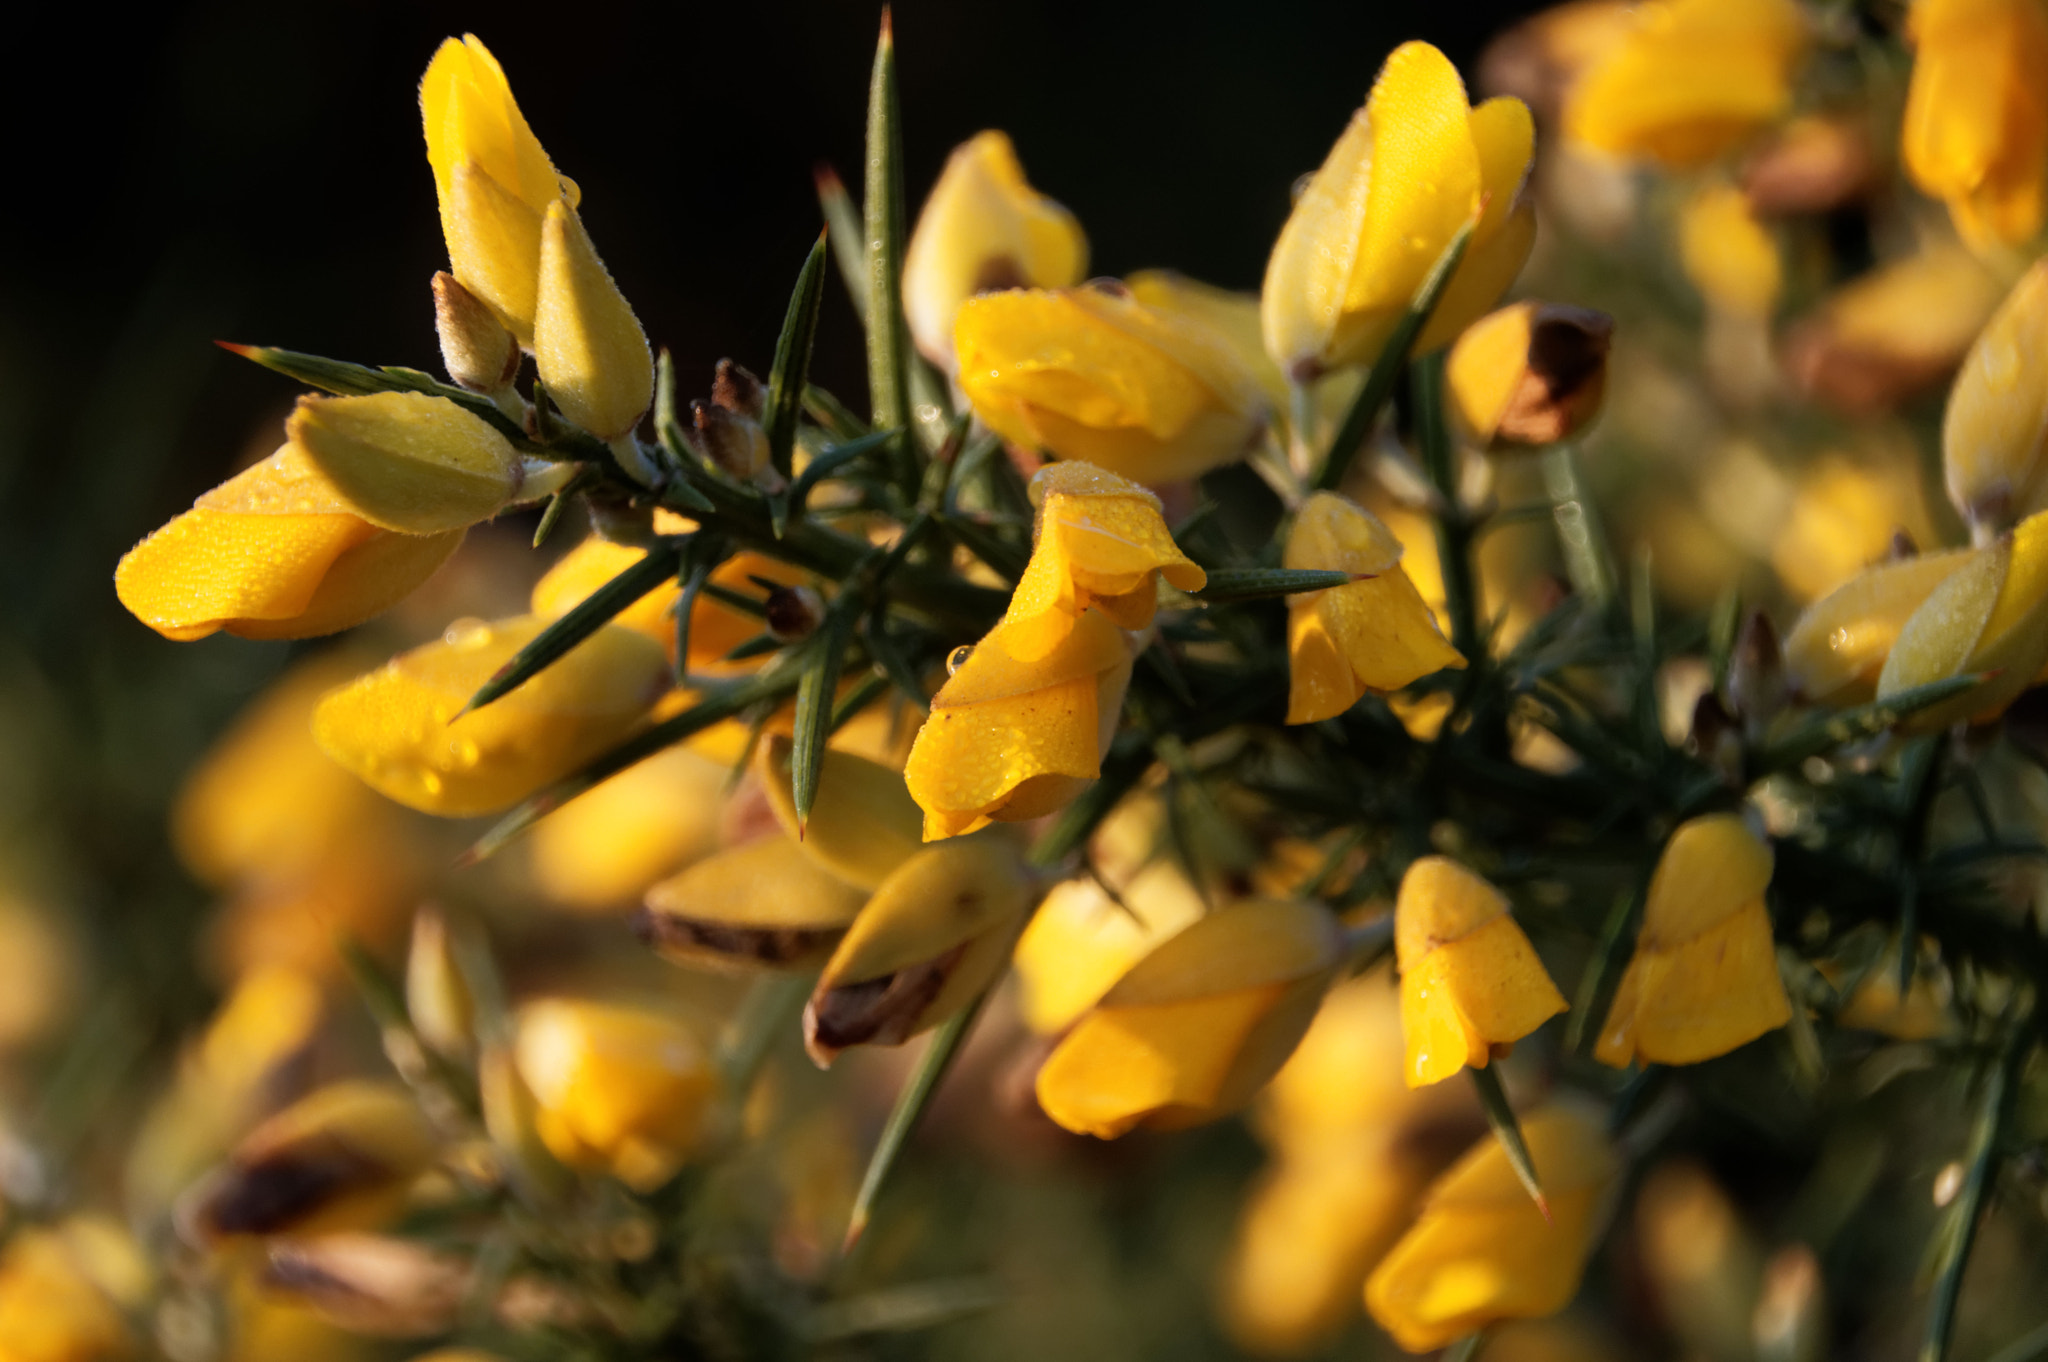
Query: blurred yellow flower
(983, 228)
(1372, 635)
(1528, 374)
(274, 552)
(928, 943)
(1728, 255)
(1199, 1025)
(1091, 373)
(621, 1089)
(1837, 647)
(1843, 517)
(1996, 424)
(764, 903)
(587, 344)
(343, 1158)
(1688, 80)
(1100, 541)
(1080, 941)
(1892, 333)
(1704, 977)
(493, 180)
(408, 462)
(600, 851)
(397, 728)
(1011, 738)
(1471, 985)
(1976, 123)
(65, 1291)
(1481, 1252)
(1989, 616)
(1414, 165)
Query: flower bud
(408, 462)
(1374, 634)
(402, 729)
(1199, 1025)
(1728, 255)
(762, 904)
(1688, 80)
(1410, 170)
(793, 613)
(1091, 373)
(1996, 426)
(1892, 333)
(863, 822)
(587, 344)
(1704, 977)
(492, 179)
(1529, 374)
(343, 1158)
(933, 937)
(512, 1120)
(476, 349)
(619, 1089)
(276, 551)
(1976, 127)
(1988, 616)
(1481, 1252)
(1100, 541)
(983, 228)
(1837, 647)
(1471, 984)
(370, 1284)
(735, 443)
(1012, 739)
(437, 997)
(738, 391)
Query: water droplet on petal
(467, 634)
(957, 659)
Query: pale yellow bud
(1996, 427)
(408, 462)
(437, 997)
(476, 349)
(1989, 616)
(763, 904)
(587, 344)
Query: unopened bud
(794, 612)
(738, 391)
(587, 344)
(436, 995)
(512, 1117)
(371, 1284)
(1530, 374)
(476, 349)
(735, 443)
(1756, 672)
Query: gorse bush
(1157, 704)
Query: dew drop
(431, 782)
(467, 634)
(957, 659)
(466, 754)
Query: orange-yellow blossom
(1976, 125)
(983, 228)
(1704, 977)
(1688, 80)
(1091, 373)
(1481, 1252)
(1100, 541)
(1413, 167)
(1375, 634)
(1471, 985)
(1198, 1026)
(1012, 738)
(397, 728)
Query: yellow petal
(1440, 901)
(1997, 418)
(1080, 942)
(1440, 1040)
(1504, 134)
(1336, 534)
(1838, 646)
(983, 228)
(408, 462)
(494, 247)
(600, 852)
(1706, 995)
(1976, 122)
(863, 824)
(760, 903)
(592, 563)
(587, 343)
(1251, 944)
(393, 727)
(1942, 634)
(1728, 254)
(1712, 867)
(995, 670)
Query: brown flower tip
(1566, 377)
(738, 391)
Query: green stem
(1454, 529)
(1579, 534)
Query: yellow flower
(1996, 425)
(1976, 125)
(1080, 942)
(1375, 634)
(1011, 739)
(1529, 374)
(1704, 978)
(983, 228)
(1837, 647)
(599, 852)
(1689, 80)
(930, 941)
(1990, 615)
(274, 552)
(764, 903)
(1412, 168)
(1728, 255)
(620, 1089)
(1091, 373)
(1471, 985)
(1893, 332)
(587, 344)
(492, 178)
(1199, 1025)
(408, 462)
(397, 728)
(343, 1158)
(1481, 1252)
(1100, 541)
(64, 1291)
